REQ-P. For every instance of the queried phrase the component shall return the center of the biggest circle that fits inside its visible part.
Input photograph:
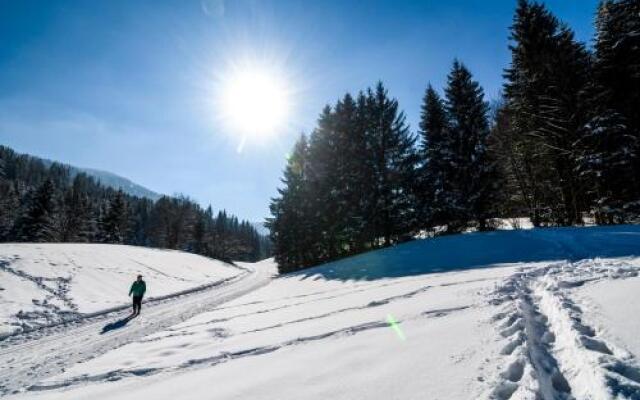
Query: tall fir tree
(114, 223)
(76, 220)
(290, 214)
(473, 173)
(38, 224)
(436, 170)
(611, 160)
(391, 148)
(546, 92)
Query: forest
(49, 203)
(561, 147)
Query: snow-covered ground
(536, 314)
(41, 284)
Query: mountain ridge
(109, 179)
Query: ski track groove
(334, 296)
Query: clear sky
(133, 87)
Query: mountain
(111, 180)
(119, 182)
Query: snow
(535, 314)
(47, 283)
(620, 325)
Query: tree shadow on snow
(116, 325)
(482, 249)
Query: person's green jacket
(138, 288)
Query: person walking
(137, 290)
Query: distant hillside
(45, 201)
(119, 182)
(111, 180)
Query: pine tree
(76, 221)
(199, 234)
(436, 151)
(323, 162)
(39, 222)
(9, 209)
(546, 90)
(611, 160)
(290, 215)
(473, 173)
(114, 222)
(391, 148)
(513, 165)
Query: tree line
(49, 203)
(561, 146)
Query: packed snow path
(25, 360)
(551, 352)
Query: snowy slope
(540, 314)
(46, 283)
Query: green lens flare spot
(393, 324)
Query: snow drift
(481, 249)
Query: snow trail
(551, 354)
(22, 364)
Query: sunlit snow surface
(45, 283)
(547, 314)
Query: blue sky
(129, 86)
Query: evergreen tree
(38, 224)
(9, 209)
(199, 234)
(436, 169)
(139, 222)
(545, 92)
(391, 149)
(611, 160)
(114, 222)
(76, 221)
(471, 170)
(324, 162)
(290, 215)
(513, 164)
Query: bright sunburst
(254, 101)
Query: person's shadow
(116, 325)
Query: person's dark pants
(137, 304)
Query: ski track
(25, 360)
(224, 357)
(551, 354)
(358, 289)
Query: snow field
(546, 314)
(329, 330)
(44, 284)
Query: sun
(255, 102)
